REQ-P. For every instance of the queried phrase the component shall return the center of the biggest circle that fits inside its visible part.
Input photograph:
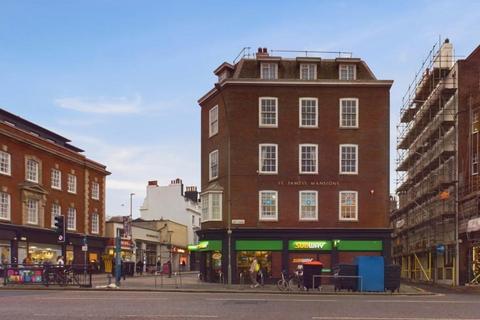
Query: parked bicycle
(291, 283)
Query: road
(53, 305)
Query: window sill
(31, 181)
(265, 126)
(268, 220)
(308, 127)
(348, 128)
(348, 173)
(58, 189)
(96, 199)
(5, 219)
(263, 173)
(213, 179)
(348, 220)
(5, 174)
(308, 220)
(71, 192)
(212, 135)
(308, 173)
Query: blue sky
(121, 78)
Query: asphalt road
(54, 305)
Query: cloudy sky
(121, 78)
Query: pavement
(189, 282)
(138, 305)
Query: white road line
(276, 300)
(423, 301)
(201, 316)
(98, 298)
(388, 318)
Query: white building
(173, 203)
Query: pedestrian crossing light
(60, 228)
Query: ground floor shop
(470, 258)
(23, 245)
(277, 250)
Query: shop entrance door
(475, 264)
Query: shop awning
(259, 245)
(206, 245)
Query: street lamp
(170, 232)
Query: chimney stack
(191, 193)
(262, 52)
(153, 183)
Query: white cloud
(121, 105)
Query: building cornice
(298, 82)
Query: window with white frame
(5, 163)
(269, 71)
(268, 205)
(72, 183)
(56, 179)
(213, 121)
(32, 170)
(308, 205)
(4, 206)
(268, 112)
(72, 219)
(268, 158)
(95, 190)
(348, 159)
(347, 72)
(349, 113)
(32, 211)
(348, 205)
(308, 112)
(475, 121)
(308, 155)
(95, 223)
(213, 165)
(308, 71)
(56, 211)
(211, 206)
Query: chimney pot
(153, 183)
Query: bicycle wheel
(294, 284)
(282, 285)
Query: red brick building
(43, 175)
(295, 164)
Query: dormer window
(347, 72)
(222, 76)
(308, 71)
(269, 71)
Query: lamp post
(130, 233)
(170, 232)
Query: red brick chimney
(153, 183)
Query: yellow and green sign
(313, 245)
(340, 245)
(207, 245)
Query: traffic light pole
(118, 261)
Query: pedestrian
(169, 264)
(254, 268)
(159, 265)
(183, 263)
(140, 267)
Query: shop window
(5, 253)
(41, 253)
(245, 258)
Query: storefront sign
(259, 245)
(302, 260)
(125, 244)
(473, 225)
(313, 245)
(206, 245)
(358, 245)
(238, 221)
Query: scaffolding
(424, 224)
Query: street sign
(85, 248)
(238, 221)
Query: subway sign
(315, 245)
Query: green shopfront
(286, 253)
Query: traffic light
(60, 225)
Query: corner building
(42, 175)
(295, 165)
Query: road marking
(423, 301)
(388, 318)
(169, 316)
(276, 300)
(97, 298)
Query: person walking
(254, 267)
(60, 261)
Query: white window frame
(275, 71)
(357, 111)
(300, 158)
(340, 159)
(340, 205)
(300, 117)
(260, 212)
(211, 121)
(33, 170)
(308, 65)
(53, 179)
(95, 223)
(343, 65)
(54, 214)
(70, 211)
(210, 157)
(5, 162)
(29, 212)
(267, 125)
(72, 183)
(95, 191)
(300, 205)
(207, 200)
(260, 166)
(7, 206)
